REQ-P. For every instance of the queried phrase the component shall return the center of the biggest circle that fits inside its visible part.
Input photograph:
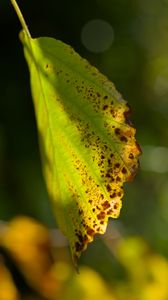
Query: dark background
(137, 62)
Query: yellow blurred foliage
(8, 290)
(28, 244)
(88, 285)
(147, 271)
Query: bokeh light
(155, 159)
(97, 35)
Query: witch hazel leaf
(87, 143)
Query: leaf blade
(88, 146)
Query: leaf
(87, 143)
(7, 286)
(28, 247)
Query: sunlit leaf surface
(87, 143)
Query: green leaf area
(87, 143)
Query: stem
(21, 18)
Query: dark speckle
(106, 205)
(138, 147)
(116, 206)
(108, 175)
(109, 211)
(109, 162)
(90, 231)
(108, 188)
(118, 178)
(113, 195)
(127, 114)
(78, 246)
(112, 112)
(101, 215)
(105, 107)
(105, 97)
(124, 171)
(117, 131)
(123, 138)
(80, 237)
(80, 211)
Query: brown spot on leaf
(131, 156)
(79, 247)
(80, 211)
(124, 171)
(80, 237)
(123, 138)
(105, 107)
(109, 162)
(108, 175)
(116, 206)
(112, 112)
(138, 147)
(117, 131)
(101, 215)
(108, 187)
(113, 195)
(106, 205)
(127, 114)
(118, 178)
(90, 231)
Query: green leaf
(87, 143)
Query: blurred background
(127, 40)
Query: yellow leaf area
(144, 276)
(8, 290)
(28, 246)
(147, 272)
(87, 143)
